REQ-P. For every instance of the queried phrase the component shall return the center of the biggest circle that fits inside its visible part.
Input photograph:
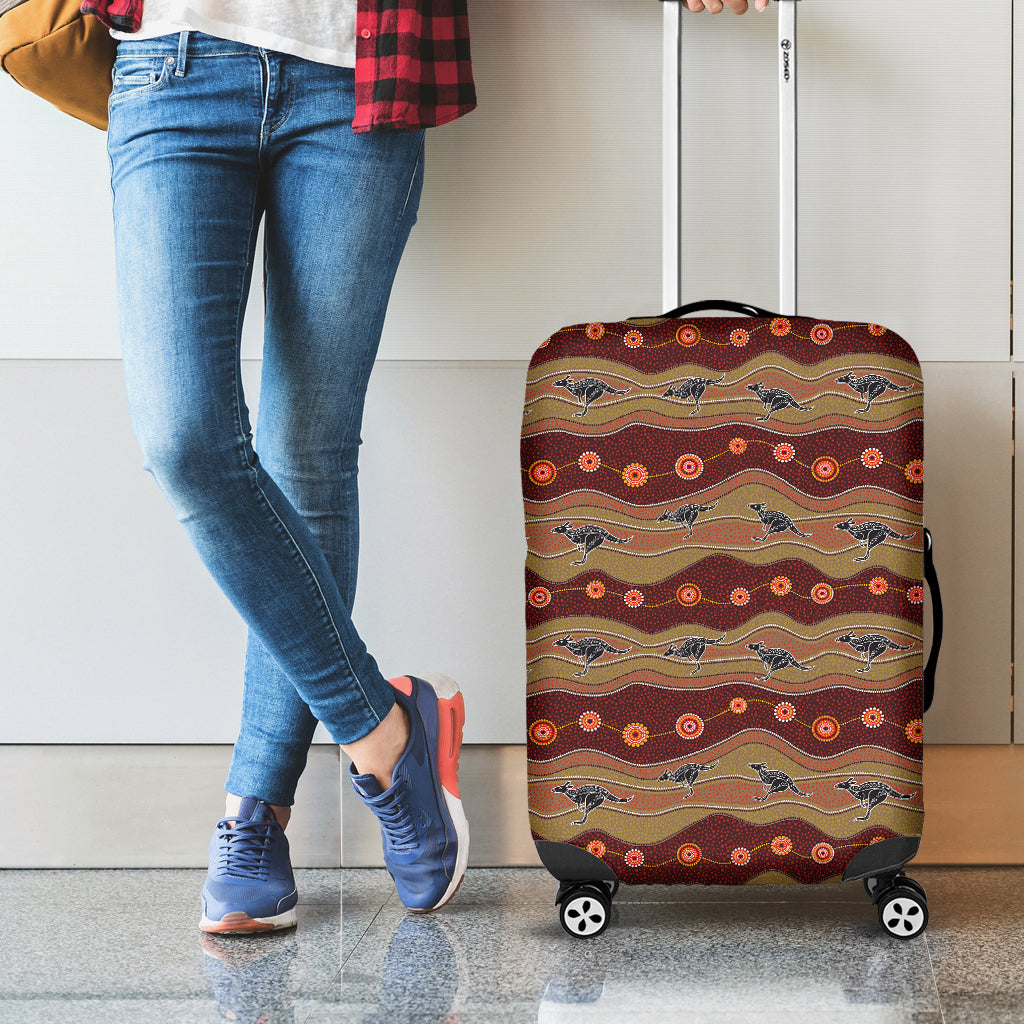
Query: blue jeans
(206, 136)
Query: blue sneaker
(424, 828)
(249, 886)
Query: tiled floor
(122, 946)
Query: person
(311, 115)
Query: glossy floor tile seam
(362, 935)
(934, 977)
(336, 978)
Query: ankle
(232, 803)
(378, 753)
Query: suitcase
(724, 586)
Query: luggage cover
(724, 595)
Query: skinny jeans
(206, 137)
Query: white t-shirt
(320, 30)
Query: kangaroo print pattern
(723, 595)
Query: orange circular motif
(634, 598)
(823, 853)
(877, 839)
(542, 472)
(785, 712)
(596, 847)
(825, 728)
(539, 596)
(915, 471)
(876, 329)
(781, 585)
(872, 717)
(635, 474)
(871, 458)
(822, 593)
(595, 331)
(915, 731)
(689, 466)
(739, 337)
(595, 589)
(687, 335)
(737, 446)
(825, 469)
(589, 461)
(915, 595)
(784, 452)
(878, 585)
(634, 858)
(543, 732)
(688, 854)
(821, 334)
(635, 734)
(739, 596)
(689, 726)
(781, 845)
(589, 721)
(737, 705)
(544, 343)
(634, 339)
(780, 326)
(688, 593)
(740, 856)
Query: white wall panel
(968, 508)
(111, 629)
(903, 167)
(544, 204)
(1018, 346)
(540, 208)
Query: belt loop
(179, 69)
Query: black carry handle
(736, 307)
(933, 589)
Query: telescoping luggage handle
(671, 126)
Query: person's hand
(717, 6)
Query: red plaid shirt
(413, 67)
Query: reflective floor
(123, 946)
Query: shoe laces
(397, 821)
(244, 848)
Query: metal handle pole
(787, 157)
(671, 291)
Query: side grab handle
(933, 590)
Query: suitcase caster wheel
(871, 885)
(903, 911)
(585, 911)
(913, 884)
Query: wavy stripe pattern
(723, 594)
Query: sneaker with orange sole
(249, 885)
(423, 825)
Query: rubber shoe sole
(240, 923)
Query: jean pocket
(138, 74)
